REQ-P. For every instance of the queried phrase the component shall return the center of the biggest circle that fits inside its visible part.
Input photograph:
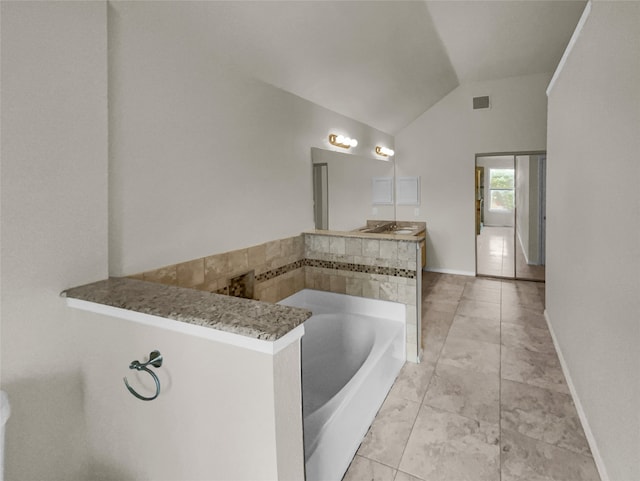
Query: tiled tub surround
(277, 268)
(372, 265)
(377, 266)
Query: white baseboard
(450, 271)
(602, 470)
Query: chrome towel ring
(155, 359)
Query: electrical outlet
(374, 211)
(416, 212)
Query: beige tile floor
(500, 256)
(495, 251)
(488, 402)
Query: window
(501, 182)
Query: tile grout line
(555, 446)
(524, 383)
(535, 440)
(421, 403)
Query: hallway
(488, 402)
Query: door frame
(542, 212)
(320, 181)
(513, 154)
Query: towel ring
(155, 359)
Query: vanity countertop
(250, 318)
(391, 230)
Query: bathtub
(352, 351)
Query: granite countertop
(255, 319)
(417, 231)
(370, 235)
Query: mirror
(530, 216)
(350, 189)
(495, 216)
(510, 215)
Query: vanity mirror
(349, 189)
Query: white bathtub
(352, 351)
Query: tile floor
(495, 251)
(524, 270)
(499, 255)
(488, 402)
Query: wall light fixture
(342, 141)
(384, 151)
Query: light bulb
(384, 151)
(353, 142)
(339, 139)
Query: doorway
(510, 215)
(321, 196)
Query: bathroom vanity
(416, 229)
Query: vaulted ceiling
(382, 62)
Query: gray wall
(593, 231)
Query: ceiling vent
(481, 102)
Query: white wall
(440, 146)
(216, 417)
(203, 159)
(593, 230)
(53, 222)
(193, 158)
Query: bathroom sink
(390, 227)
